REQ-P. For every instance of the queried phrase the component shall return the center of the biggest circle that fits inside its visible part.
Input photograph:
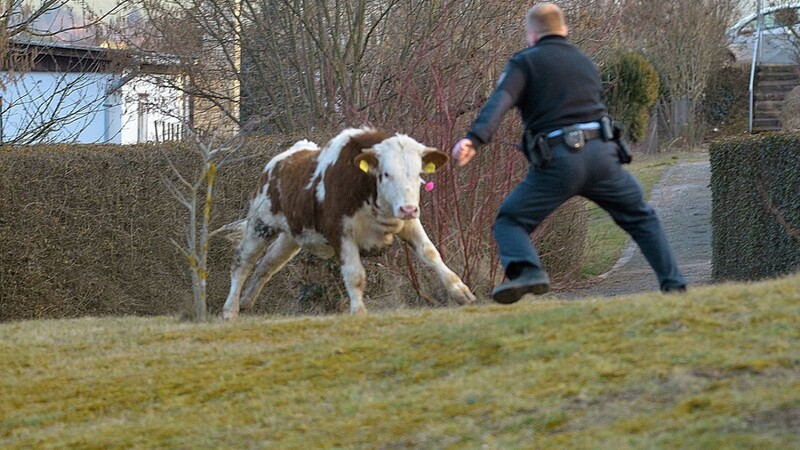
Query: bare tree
(685, 41)
(196, 193)
(306, 64)
(788, 17)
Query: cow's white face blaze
(398, 163)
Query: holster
(615, 131)
(536, 149)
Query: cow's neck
(382, 210)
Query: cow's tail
(233, 231)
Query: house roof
(68, 57)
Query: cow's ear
(433, 159)
(367, 162)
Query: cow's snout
(409, 212)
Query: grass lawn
(605, 240)
(718, 367)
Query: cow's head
(397, 163)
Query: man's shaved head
(546, 18)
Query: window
(142, 119)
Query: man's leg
(622, 197)
(539, 194)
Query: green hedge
(755, 182)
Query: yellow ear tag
(429, 168)
(364, 166)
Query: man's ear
(367, 162)
(433, 159)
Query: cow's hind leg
(245, 257)
(280, 252)
(414, 234)
(355, 278)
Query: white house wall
(163, 112)
(39, 107)
(54, 107)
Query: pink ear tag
(429, 186)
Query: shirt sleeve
(507, 94)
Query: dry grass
(716, 368)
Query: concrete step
(774, 86)
(778, 68)
(778, 76)
(765, 129)
(769, 105)
(782, 72)
(777, 82)
(769, 96)
(767, 115)
(766, 124)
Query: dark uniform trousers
(593, 172)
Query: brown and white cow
(351, 197)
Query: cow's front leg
(355, 279)
(414, 234)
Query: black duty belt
(570, 139)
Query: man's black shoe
(530, 281)
(679, 289)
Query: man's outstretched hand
(463, 152)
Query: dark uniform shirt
(553, 84)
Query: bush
(725, 103)
(755, 213)
(560, 240)
(790, 114)
(632, 90)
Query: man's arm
(505, 96)
(508, 92)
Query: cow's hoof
(359, 310)
(461, 294)
(230, 315)
(246, 303)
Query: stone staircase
(773, 82)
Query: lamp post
(760, 27)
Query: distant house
(66, 93)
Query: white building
(78, 94)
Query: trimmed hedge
(85, 229)
(755, 183)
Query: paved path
(683, 201)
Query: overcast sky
(100, 6)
